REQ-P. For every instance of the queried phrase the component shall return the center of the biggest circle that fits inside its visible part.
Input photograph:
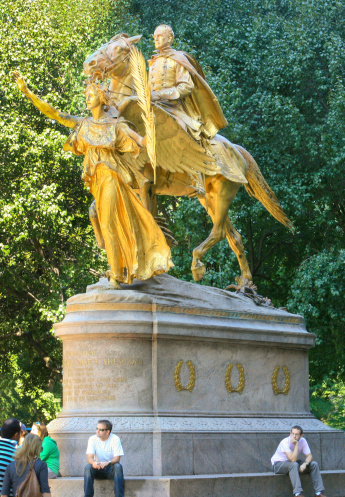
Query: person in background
(50, 452)
(285, 461)
(10, 433)
(23, 433)
(104, 451)
(17, 470)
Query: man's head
(103, 429)
(163, 36)
(296, 432)
(11, 429)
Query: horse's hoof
(198, 271)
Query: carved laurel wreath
(241, 381)
(275, 387)
(191, 383)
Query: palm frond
(142, 88)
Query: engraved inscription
(90, 377)
(116, 361)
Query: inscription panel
(106, 376)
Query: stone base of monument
(196, 380)
(234, 485)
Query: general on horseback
(191, 158)
(155, 134)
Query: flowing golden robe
(135, 245)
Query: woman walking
(17, 470)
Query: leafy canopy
(277, 68)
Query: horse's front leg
(198, 267)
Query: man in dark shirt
(10, 433)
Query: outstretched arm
(61, 117)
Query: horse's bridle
(112, 64)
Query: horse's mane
(118, 36)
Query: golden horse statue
(180, 159)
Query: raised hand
(18, 78)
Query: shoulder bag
(30, 487)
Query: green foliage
(318, 294)
(47, 248)
(327, 403)
(28, 404)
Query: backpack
(30, 487)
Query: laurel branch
(275, 387)
(241, 381)
(178, 383)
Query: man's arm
(293, 456)
(114, 460)
(6, 484)
(91, 460)
(308, 460)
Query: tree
(277, 68)
(47, 248)
(278, 71)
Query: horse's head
(111, 59)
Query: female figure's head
(96, 95)
(39, 429)
(29, 451)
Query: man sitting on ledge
(104, 451)
(285, 460)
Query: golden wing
(176, 151)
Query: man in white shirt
(285, 460)
(104, 451)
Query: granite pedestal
(196, 380)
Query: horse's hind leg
(236, 244)
(217, 207)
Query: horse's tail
(258, 188)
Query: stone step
(228, 485)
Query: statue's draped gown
(134, 243)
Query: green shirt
(50, 454)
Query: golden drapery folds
(134, 243)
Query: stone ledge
(226, 485)
(193, 424)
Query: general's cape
(202, 96)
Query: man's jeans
(283, 468)
(110, 472)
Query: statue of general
(178, 85)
